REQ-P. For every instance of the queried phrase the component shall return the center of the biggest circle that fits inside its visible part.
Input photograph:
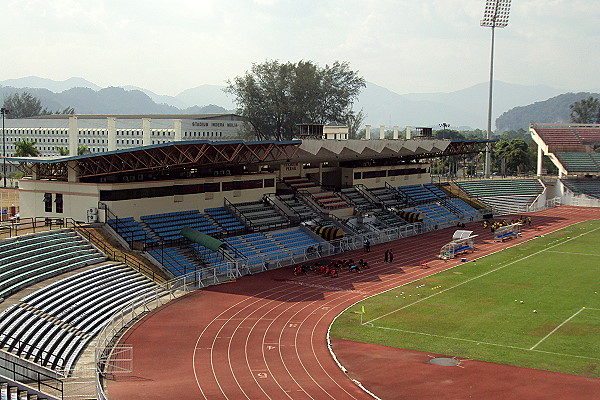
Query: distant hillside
(52, 85)
(464, 109)
(112, 100)
(554, 110)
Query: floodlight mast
(495, 16)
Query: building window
(59, 203)
(48, 202)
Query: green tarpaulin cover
(201, 238)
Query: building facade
(100, 133)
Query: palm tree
(81, 150)
(63, 151)
(26, 148)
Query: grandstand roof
(568, 134)
(162, 156)
(345, 150)
(206, 153)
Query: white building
(115, 132)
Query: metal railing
(109, 336)
(16, 370)
(238, 213)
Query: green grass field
(475, 310)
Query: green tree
(274, 97)
(26, 148)
(513, 155)
(586, 111)
(354, 120)
(63, 151)
(23, 105)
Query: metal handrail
(236, 211)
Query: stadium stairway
(10, 390)
(113, 245)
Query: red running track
(264, 336)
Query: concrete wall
(79, 197)
(347, 176)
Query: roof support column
(112, 133)
(71, 172)
(177, 127)
(73, 135)
(382, 132)
(540, 153)
(395, 137)
(147, 139)
(368, 132)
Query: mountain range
(462, 109)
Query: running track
(264, 336)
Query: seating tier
(28, 259)
(53, 325)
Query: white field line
(578, 254)
(557, 328)
(480, 342)
(482, 275)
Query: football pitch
(534, 305)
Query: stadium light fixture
(444, 126)
(495, 15)
(4, 111)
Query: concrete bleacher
(53, 325)
(357, 199)
(590, 187)
(10, 390)
(504, 196)
(27, 259)
(261, 215)
(501, 187)
(297, 206)
(326, 199)
(579, 162)
(387, 197)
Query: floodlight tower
(4, 111)
(495, 16)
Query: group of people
(331, 268)
(493, 225)
(367, 245)
(388, 256)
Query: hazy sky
(407, 46)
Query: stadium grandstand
(575, 150)
(104, 238)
